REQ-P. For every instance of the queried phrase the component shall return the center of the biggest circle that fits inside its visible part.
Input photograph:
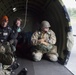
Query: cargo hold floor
(43, 67)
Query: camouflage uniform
(39, 49)
(3, 71)
(6, 54)
(6, 46)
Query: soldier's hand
(41, 40)
(45, 43)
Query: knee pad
(37, 56)
(53, 57)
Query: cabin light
(14, 9)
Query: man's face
(18, 23)
(45, 29)
(4, 24)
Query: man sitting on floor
(43, 42)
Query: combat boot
(14, 66)
(23, 72)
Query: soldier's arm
(9, 32)
(14, 33)
(42, 41)
(45, 43)
(52, 39)
(11, 36)
(34, 38)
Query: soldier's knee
(1, 72)
(37, 56)
(10, 61)
(53, 57)
(54, 49)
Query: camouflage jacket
(49, 37)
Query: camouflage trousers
(5, 72)
(42, 48)
(50, 51)
(6, 54)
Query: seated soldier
(6, 53)
(6, 56)
(43, 42)
(17, 25)
(16, 28)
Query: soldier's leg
(4, 71)
(37, 55)
(53, 55)
(1, 72)
(14, 65)
(6, 59)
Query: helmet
(4, 18)
(45, 24)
